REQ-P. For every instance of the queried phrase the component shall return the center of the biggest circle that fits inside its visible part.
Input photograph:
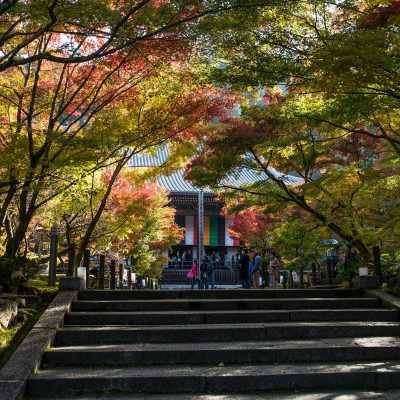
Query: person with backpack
(204, 266)
(256, 270)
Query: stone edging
(388, 300)
(26, 358)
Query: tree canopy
(304, 94)
(320, 101)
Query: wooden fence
(178, 277)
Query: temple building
(199, 211)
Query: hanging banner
(189, 229)
(221, 230)
(206, 230)
(214, 230)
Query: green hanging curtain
(214, 230)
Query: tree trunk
(90, 229)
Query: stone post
(377, 263)
(53, 255)
(102, 271)
(71, 260)
(291, 284)
(314, 274)
(301, 277)
(284, 281)
(86, 265)
(129, 278)
(121, 276)
(112, 275)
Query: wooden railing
(178, 276)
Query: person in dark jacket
(244, 268)
(256, 271)
(204, 267)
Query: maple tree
(68, 121)
(47, 113)
(321, 103)
(251, 227)
(149, 229)
(334, 183)
(82, 91)
(156, 115)
(62, 68)
(135, 223)
(338, 62)
(86, 30)
(298, 239)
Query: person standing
(174, 260)
(211, 270)
(193, 273)
(244, 268)
(256, 270)
(183, 259)
(203, 273)
(250, 274)
(274, 270)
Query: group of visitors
(205, 276)
(180, 259)
(250, 272)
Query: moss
(11, 338)
(395, 290)
(40, 286)
(27, 317)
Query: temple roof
(176, 183)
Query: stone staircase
(221, 341)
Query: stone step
(348, 394)
(85, 335)
(224, 304)
(327, 350)
(230, 379)
(214, 294)
(218, 317)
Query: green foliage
(317, 84)
(13, 272)
(40, 286)
(391, 268)
(329, 113)
(299, 242)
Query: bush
(391, 269)
(15, 271)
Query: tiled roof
(144, 160)
(176, 183)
